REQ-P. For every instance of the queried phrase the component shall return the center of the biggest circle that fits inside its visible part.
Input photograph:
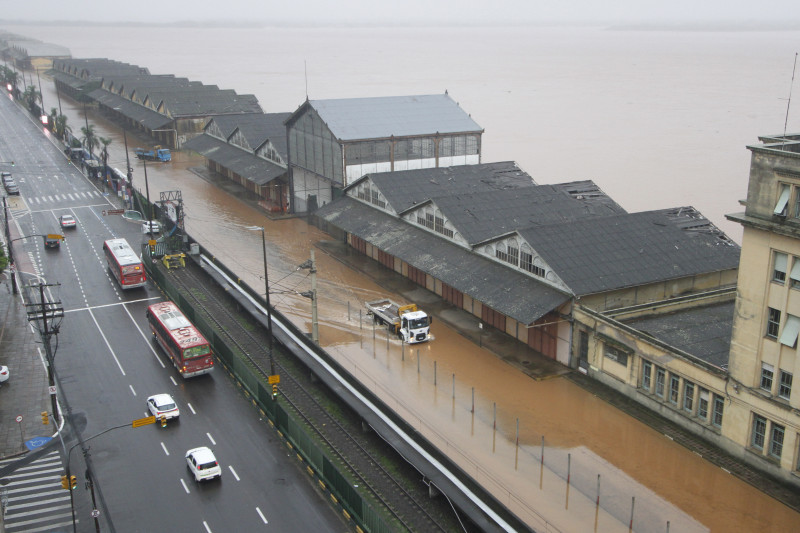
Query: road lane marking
(211, 439)
(173, 381)
(110, 349)
(191, 409)
(261, 515)
(206, 526)
(185, 487)
(142, 333)
(133, 391)
(234, 473)
(165, 448)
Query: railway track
(402, 494)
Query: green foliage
(3, 260)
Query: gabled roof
(408, 188)
(486, 215)
(351, 119)
(145, 116)
(247, 165)
(607, 253)
(512, 293)
(257, 128)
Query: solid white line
(211, 439)
(111, 305)
(133, 391)
(165, 448)
(234, 473)
(206, 525)
(144, 335)
(107, 343)
(185, 487)
(261, 515)
(191, 409)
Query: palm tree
(104, 153)
(30, 97)
(89, 138)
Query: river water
(657, 119)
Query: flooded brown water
(669, 483)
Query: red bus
(124, 263)
(185, 345)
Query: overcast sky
(705, 12)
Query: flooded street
(524, 439)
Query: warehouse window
(776, 440)
(614, 354)
(702, 404)
(674, 389)
(719, 406)
(688, 396)
(767, 375)
(759, 436)
(785, 386)
(647, 380)
(661, 380)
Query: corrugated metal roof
(351, 119)
(408, 188)
(257, 128)
(607, 253)
(511, 293)
(247, 165)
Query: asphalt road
(107, 365)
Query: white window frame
(767, 375)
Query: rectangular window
(719, 406)
(674, 389)
(688, 396)
(780, 263)
(702, 404)
(785, 386)
(767, 375)
(513, 255)
(647, 370)
(790, 330)
(526, 261)
(759, 436)
(797, 202)
(783, 201)
(794, 275)
(776, 440)
(773, 322)
(616, 355)
(661, 379)
(501, 254)
(584, 346)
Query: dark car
(52, 241)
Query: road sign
(55, 236)
(272, 380)
(51, 389)
(95, 513)
(144, 421)
(37, 442)
(114, 211)
(19, 418)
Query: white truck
(408, 322)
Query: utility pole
(47, 310)
(311, 265)
(11, 265)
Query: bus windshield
(196, 351)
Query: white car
(4, 374)
(202, 464)
(67, 221)
(155, 227)
(163, 405)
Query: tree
(104, 153)
(3, 260)
(89, 138)
(60, 126)
(30, 97)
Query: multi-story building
(763, 415)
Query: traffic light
(274, 390)
(163, 421)
(45, 418)
(64, 482)
(73, 482)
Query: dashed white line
(206, 526)
(264, 518)
(185, 487)
(234, 473)
(165, 448)
(173, 381)
(133, 391)
(211, 439)
(191, 409)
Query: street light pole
(266, 296)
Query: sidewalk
(25, 393)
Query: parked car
(4, 374)
(202, 464)
(163, 405)
(5, 176)
(67, 221)
(10, 185)
(155, 227)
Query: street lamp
(266, 290)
